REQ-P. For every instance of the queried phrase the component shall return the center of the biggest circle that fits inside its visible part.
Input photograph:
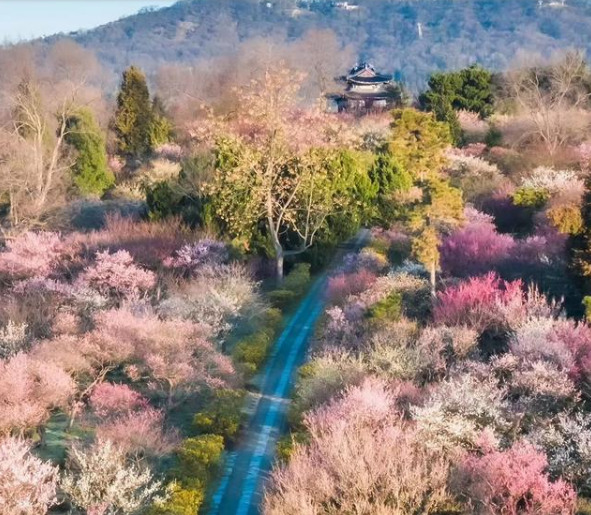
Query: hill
(409, 38)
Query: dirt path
(240, 488)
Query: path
(240, 489)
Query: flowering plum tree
(513, 482)
(117, 275)
(28, 486)
(32, 254)
(101, 481)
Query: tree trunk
(433, 279)
(279, 267)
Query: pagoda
(367, 91)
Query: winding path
(240, 488)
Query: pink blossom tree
(110, 400)
(118, 276)
(139, 433)
(29, 390)
(352, 464)
(512, 482)
(28, 485)
(32, 254)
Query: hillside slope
(454, 33)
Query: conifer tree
(91, 173)
(133, 117)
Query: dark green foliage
(133, 117)
(389, 177)
(185, 197)
(282, 299)
(163, 201)
(298, 279)
(92, 176)
(469, 89)
(494, 137)
(387, 310)
(223, 416)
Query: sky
(26, 19)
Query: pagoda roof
(365, 73)
(376, 79)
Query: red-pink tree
(27, 484)
(512, 482)
(478, 302)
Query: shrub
(199, 458)
(387, 310)
(512, 482)
(566, 218)
(223, 416)
(252, 351)
(323, 378)
(531, 197)
(180, 501)
(111, 400)
(474, 176)
(282, 299)
(298, 279)
(219, 296)
(204, 252)
(29, 389)
(478, 302)
(350, 462)
(139, 433)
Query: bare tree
(553, 97)
(34, 157)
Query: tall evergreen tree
(91, 173)
(134, 117)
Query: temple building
(367, 91)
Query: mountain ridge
(410, 38)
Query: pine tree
(133, 117)
(91, 173)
